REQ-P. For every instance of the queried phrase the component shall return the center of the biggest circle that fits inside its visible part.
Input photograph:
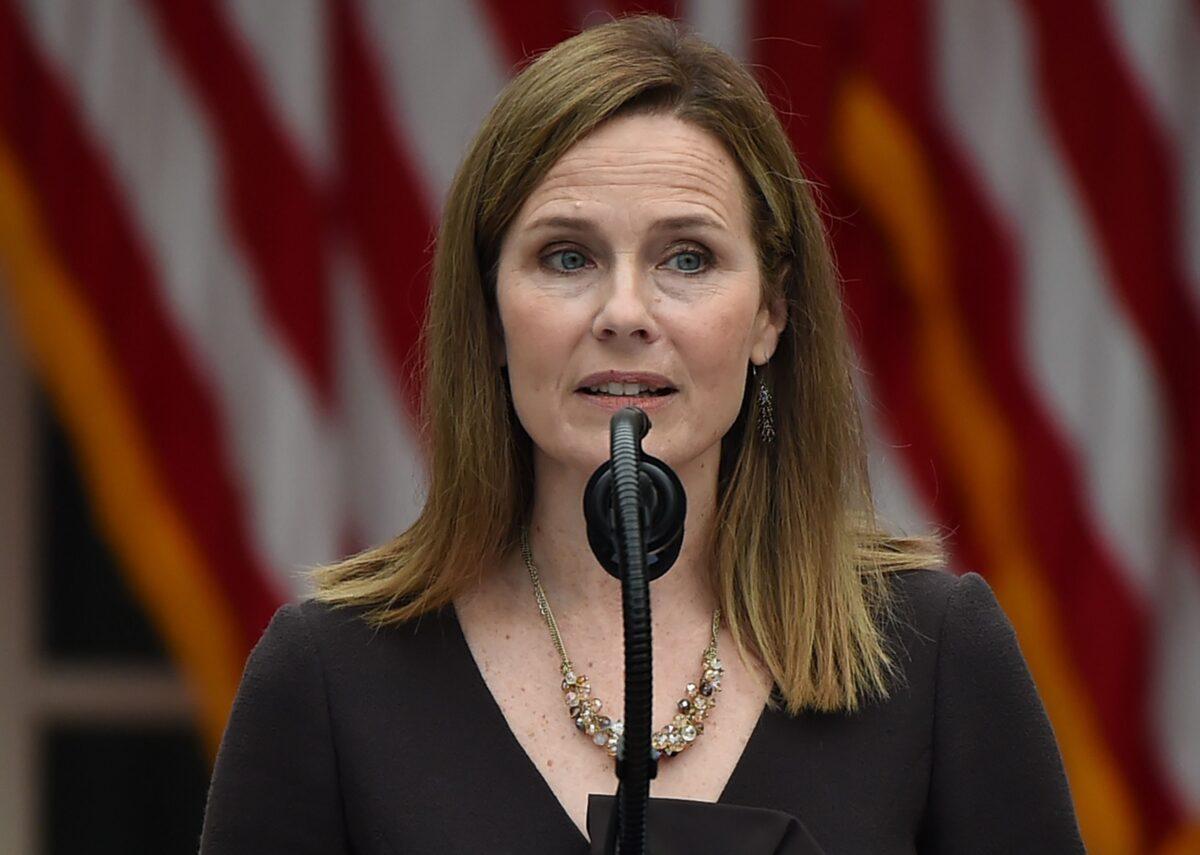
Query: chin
(583, 453)
(586, 447)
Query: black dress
(345, 739)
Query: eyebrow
(687, 221)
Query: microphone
(663, 504)
(635, 509)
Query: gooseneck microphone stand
(635, 508)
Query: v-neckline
(501, 723)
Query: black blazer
(344, 739)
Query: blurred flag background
(216, 220)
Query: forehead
(646, 160)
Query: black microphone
(635, 508)
(663, 506)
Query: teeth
(621, 389)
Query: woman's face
(629, 276)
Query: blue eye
(572, 260)
(696, 262)
(691, 261)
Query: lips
(615, 390)
(626, 383)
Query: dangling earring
(766, 408)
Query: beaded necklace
(584, 709)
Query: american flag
(215, 230)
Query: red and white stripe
(1092, 373)
(161, 150)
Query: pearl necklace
(584, 709)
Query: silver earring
(766, 408)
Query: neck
(574, 581)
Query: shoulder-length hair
(798, 558)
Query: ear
(768, 326)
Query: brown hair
(797, 554)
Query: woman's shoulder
(996, 773)
(334, 633)
(965, 623)
(955, 644)
(924, 601)
(939, 623)
(304, 624)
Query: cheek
(718, 353)
(719, 342)
(521, 318)
(538, 340)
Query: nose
(626, 310)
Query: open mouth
(626, 390)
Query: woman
(631, 226)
